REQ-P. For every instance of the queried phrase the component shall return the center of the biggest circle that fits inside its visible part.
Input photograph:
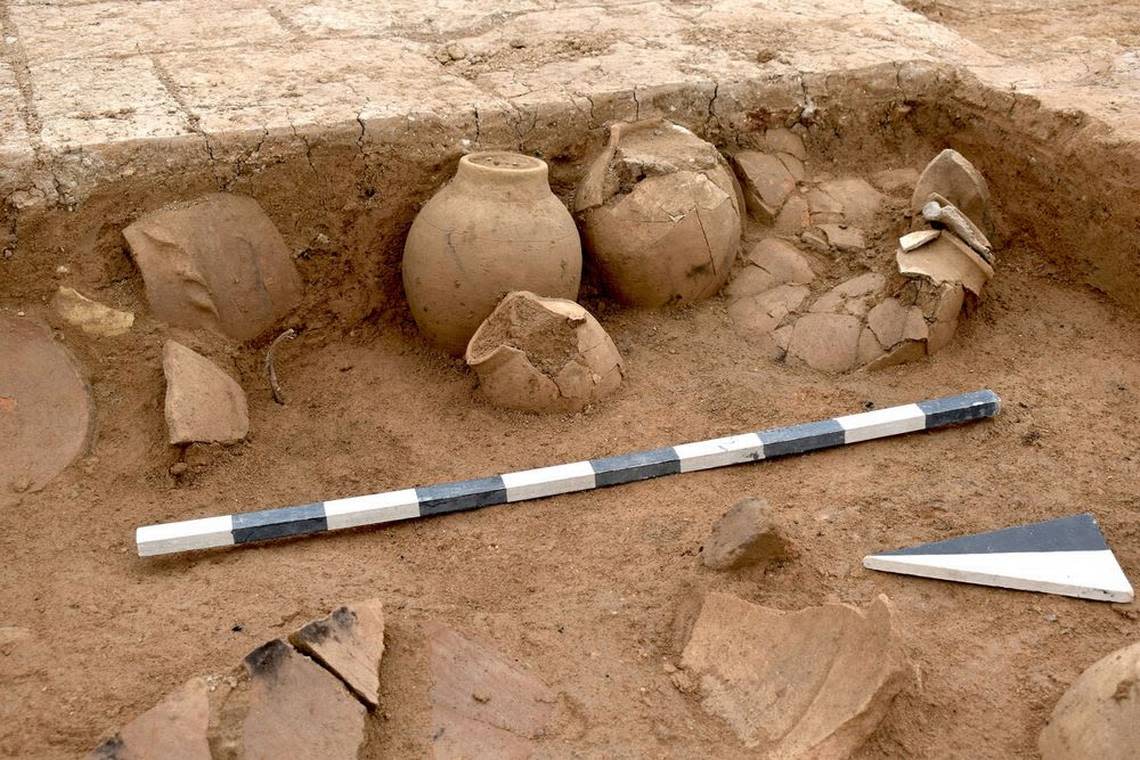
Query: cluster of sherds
(303, 698)
(661, 214)
(309, 697)
(871, 320)
(540, 354)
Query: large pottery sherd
(543, 355)
(661, 214)
(216, 262)
(813, 683)
(203, 403)
(496, 227)
(46, 412)
(1099, 716)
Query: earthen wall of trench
(344, 196)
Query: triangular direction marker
(1067, 556)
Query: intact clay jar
(495, 228)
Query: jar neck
(506, 172)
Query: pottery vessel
(543, 355)
(661, 214)
(494, 228)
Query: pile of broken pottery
(892, 311)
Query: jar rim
(504, 161)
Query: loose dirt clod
(203, 403)
(1099, 716)
(745, 535)
(543, 355)
(216, 262)
(811, 683)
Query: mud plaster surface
(581, 588)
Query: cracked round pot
(543, 355)
(661, 214)
(494, 228)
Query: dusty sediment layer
(341, 130)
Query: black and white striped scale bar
(424, 501)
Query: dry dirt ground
(582, 589)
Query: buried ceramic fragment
(494, 228)
(90, 316)
(810, 683)
(661, 214)
(782, 260)
(767, 182)
(843, 238)
(917, 239)
(1099, 715)
(761, 313)
(947, 260)
(953, 177)
(216, 262)
(945, 215)
(203, 403)
(543, 355)
(826, 342)
(47, 416)
(850, 200)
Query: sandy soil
(583, 588)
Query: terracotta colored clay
(203, 403)
(767, 182)
(1099, 716)
(494, 228)
(216, 262)
(46, 412)
(810, 683)
(543, 355)
(661, 214)
(947, 259)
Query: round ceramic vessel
(494, 228)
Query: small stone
(844, 238)
(91, 316)
(174, 729)
(178, 469)
(745, 535)
(784, 140)
(766, 183)
(826, 342)
(950, 175)
(945, 215)
(481, 697)
(810, 683)
(456, 51)
(1099, 716)
(349, 643)
(912, 240)
(518, 42)
(203, 403)
(782, 260)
